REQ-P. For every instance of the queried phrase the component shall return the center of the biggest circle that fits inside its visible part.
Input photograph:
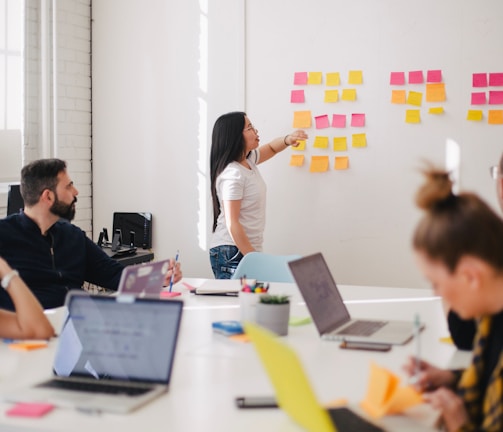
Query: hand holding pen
(172, 279)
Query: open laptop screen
(118, 338)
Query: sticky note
(302, 119)
(434, 76)
(331, 95)
(341, 163)
(349, 94)
(297, 96)
(300, 78)
(412, 116)
(495, 117)
(495, 97)
(357, 120)
(35, 409)
(28, 345)
(359, 140)
(398, 96)
(474, 115)
(496, 79)
(479, 80)
(297, 160)
(298, 321)
(340, 143)
(322, 121)
(397, 78)
(478, 98)
(301, 145)
(436, 110)
(416, 77)
(355, 77)
(415, 98)
(339, 120)
(320, 142)
(435, 92)
(314, 78)
(319, 164)
(333, 79)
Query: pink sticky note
(322, 121)
(357, 120)
(416, 77)
(495, 97)
(300, 78)
(397, 78)
(339, 120)
(434, 76)
(479, 80)
(496, 79)
(297, 96)
(478, 98)
(30, 409)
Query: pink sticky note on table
(322, 121)
(300, 78)
(357, 120)
(495, 97)
(339, 120)
(478, 98)
(297, 96)
(397, 78)
(434, 76)
(479, 80)
(416, 77)
(496, 79)
(30, 409)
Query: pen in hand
(417, 359)
(173, 271)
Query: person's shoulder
(10, 221)
(231, 171)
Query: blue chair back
(265, 267)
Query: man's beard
(65, 211)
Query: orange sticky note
(349, 95)
(435, 92)
(240, 338)
(340, 143)
(398, 96)
(319, 164)
(359, 140)
(495, 117)
(297, 160)
(302, 119)
(341, 163)
(28, 345)
(333, 79)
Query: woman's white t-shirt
(237, 182)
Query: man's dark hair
(40, 175)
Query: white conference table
(211, 370)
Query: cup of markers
(249, 296)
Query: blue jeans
(224, 260)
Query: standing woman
(238, 190)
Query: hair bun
(436, 190)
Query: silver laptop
(143, 280)
(114, 354)
(330, 314)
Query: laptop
(114, 354)
(143, 279)
(330, 314)
(293, 391)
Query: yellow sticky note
(333, 79)
(301, 145)
(302, 119)
(398, 96)
(495, 117)
(435, 92)
(331, 95)
(412, 116)
(359, 140)
(474, 115)
(297, 160)
(415, 98)
(436, 110)
(340, 143)
(319, 164)
(341, 163)
(320, 142)
(447, 340)
(355, 77)
(349, 94)
(314, 77)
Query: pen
(173, 272)
(417, 329)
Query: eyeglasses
(251, 127)
(494, 171)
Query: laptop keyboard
(346, 420)
(95, 387)
(362, 328)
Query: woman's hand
(454, 414)
(294, 138)
(427, 377)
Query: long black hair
(227, 145)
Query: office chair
(15, 201)
(265, 267)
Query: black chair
(15, 201)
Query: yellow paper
(319, 164)
(355, 77)
(302, 119)
(340, 143)
(436, 110)
(359, 140)
(412, 116)
(495, 117)
(415, 98)
(341, 162)
(314, 77)
(474, 115)
(333, 79)
(435, 92)
(331, 95)
(297, 160)
(320, 142)
(447, 340)
(398, 96)
(301, 145)
(349, 94)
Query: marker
(173, 272)
(417, 329)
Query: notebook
(219, 287)
(143, 279)
(114, 354)
(294, 392)
(330, 314)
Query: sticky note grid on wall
(487, 89)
